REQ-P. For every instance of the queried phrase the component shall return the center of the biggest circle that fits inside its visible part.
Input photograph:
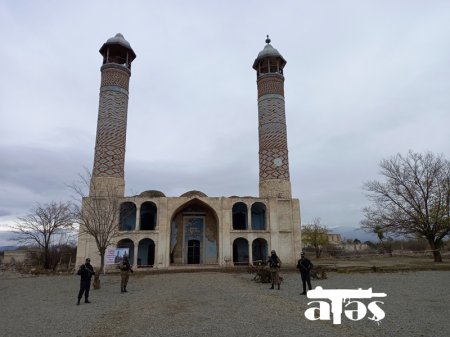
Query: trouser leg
(87, 287)
(276, 278)
(81, 292)
(308, 279)
(124, 281)
(304, 282)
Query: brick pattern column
(274, 180)
(109, 157)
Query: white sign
(116, 255)
(354, 310)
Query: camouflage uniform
(125, 270)
(274, 265)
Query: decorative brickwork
(115, 75)
(112, 123)
(273, 151)
(273, 164)
(270, 84)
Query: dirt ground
(381, 263)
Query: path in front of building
(216, 304)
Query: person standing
(85, 271)
(125, 270)
(274, 265)
(304, 265)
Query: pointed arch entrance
(194, 234)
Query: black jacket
(86, 271)
(304, 265)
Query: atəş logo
(338, 297)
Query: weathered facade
(195, 229)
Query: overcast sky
(364, 80)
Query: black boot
(86, 300)
(121, 290)
(278, 286)
(125, 289)
(78, 303)
(271, 286)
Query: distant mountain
(353, 233)
(3, 248)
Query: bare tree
(316, 235)
(413, 200)
(44, 225)
(98, 215)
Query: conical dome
(268, 52)
(119, 46)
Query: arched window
(146, 253)
(127, 221)
(240, 216)
(258, 216)
(259, 250)
(240, 251)
(148, 216)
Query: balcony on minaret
(269, 61)
(117, 50)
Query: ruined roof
(194, 193)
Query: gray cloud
(7, 239)
(4, 212)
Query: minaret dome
(117, 50)
(269, 60)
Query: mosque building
(195, 229)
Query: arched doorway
(127, 243)
(259, 250)
(146, 253)
(194, 234)
(193, 253)
(240, 252)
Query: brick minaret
(273, 151)
(108, 172)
